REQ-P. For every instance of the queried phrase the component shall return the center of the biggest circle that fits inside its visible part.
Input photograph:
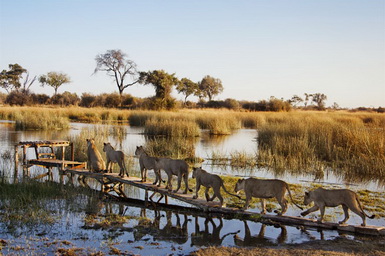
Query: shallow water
(160, 233)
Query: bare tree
(118, 66)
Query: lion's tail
(291, 198)
(362, 210)
(224, 188)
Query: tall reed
(177, 148)
(307, 141)
(40, 121)
(171, 127)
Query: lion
(332, 198)
(114, 156)
(95, 161)
(146, 163)
(176, 167)
(265, 189)
(209, 180)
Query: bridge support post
(146, 197)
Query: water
(162, 232)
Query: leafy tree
(118, 66)
(162, 81)
(187, 87)
(319, 99)
(209, 87)
(54, 79)
(307, 98)
(10, 79)
(295, 100)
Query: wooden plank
(45, 143)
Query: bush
(65, 99)
(18, 98)
(112, 100)
(40, 99)
(3, 96)
(87, 100)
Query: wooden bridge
(113, 182)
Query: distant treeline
(127, 101)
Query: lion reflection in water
(260, 239)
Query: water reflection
(260, 238)
(209, 236)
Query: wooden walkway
(213, 207)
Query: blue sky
(257, 48)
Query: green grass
(24, 203)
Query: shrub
(18, 98)
(112, 100)
(87, 100)
(65, 99)
(40, 99)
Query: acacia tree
(10, 79)
(187, 87)
(295, 100)
(54, 79)
(163, 83)
(319, 99)
(209, 87)
(118, 66)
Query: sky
(257, 48)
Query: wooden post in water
(72, 151)
(24, 155)
(146, 197)
(16, 164)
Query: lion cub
(332, 198)
(209, 180)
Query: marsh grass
(309, 142)
(98, 133)
(243, 160)
(218, 158)
(176, 148)
(171, 127)
(40, 121)
(24, 203)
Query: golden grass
(171, 127)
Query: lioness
(265, 189)
(332, 198)
(209, 180)
(146, 163)
(95, 161)
(176, 167)
(114, 156)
